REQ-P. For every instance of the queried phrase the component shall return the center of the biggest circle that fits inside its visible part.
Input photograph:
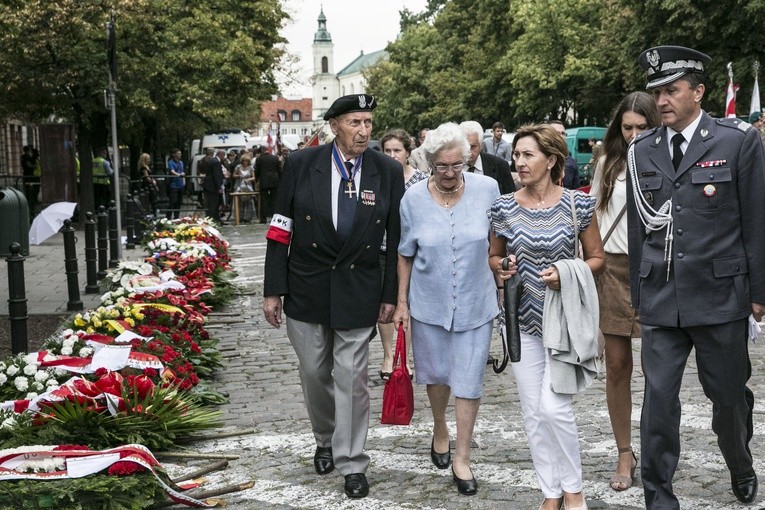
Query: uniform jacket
(499, 170)
(267, 171)
(718, 206)
(322, 280)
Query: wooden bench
(235, 197)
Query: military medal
(710, 190)
(345, 174)
(368, 197)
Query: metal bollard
(102, 220)
(17, 300)
(114, 235)
(129, 223)
(70, 266)
(91, 287)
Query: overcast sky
(354, 25)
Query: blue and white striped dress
(538, 237)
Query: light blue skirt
(457, 359)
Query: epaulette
(734, 123)
(644, 134)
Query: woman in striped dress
(535, 228)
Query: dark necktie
(677, 152)
(471, 169)
(346, 206)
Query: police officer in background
(333, 206)
(697, 259)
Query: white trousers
(549, 421)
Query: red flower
(150, 372)
(110, 383)
(123, 468)
(143, 386)
(100, 372)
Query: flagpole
(730, 98)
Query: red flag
(269, 140)
(730, 100)
(279, 138)
(314, 140)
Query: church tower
(325, 84)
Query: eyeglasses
(456, 167)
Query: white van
(226, 140)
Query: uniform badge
(710, 190)
(653, 58)
(362, 101)
(368, 197)
(714, 162)
(704, 132)
(648, 197)
(658, 139)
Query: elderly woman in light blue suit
(443, 275)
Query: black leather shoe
(744, 487)
(465, 487)
(323, 460)
(356, 485)
(440, 460)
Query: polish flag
(730, 100)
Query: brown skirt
(617, 317)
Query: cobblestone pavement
(265, 397)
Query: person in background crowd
(334, 201)
(147, 180)
(697, 259)
(268, 172)
(534, 229)
(176, 185)
(396, 144)
(757, 120)
(244, 174)
(495, 145)
(214, 186)
(483, 163)
(571, 169)
(202, 167)
(300, 145)
(31, 184)
(619, 322)
(447, 291)
(417, 158)
(102, 175)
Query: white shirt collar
(687, 133)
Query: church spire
(321, 34)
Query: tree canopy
(182, 66)
(522, 61)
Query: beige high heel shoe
(620, 483)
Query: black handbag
(509, 325)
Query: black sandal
(385, 376)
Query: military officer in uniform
(333, 206)
(697, 258)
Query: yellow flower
(96, 322)
(130, 321)
(90, 330)
(78, 321)
(138, 316)
(114, 313)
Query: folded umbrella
(509, 325)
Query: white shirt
(687, 135)
(617, 243)
(478, 166)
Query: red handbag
(398, 396)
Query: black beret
(665, 64)
(352, 103)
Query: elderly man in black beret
(333, 206)
(697, 260)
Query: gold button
(308, 217)
(314, 245)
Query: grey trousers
(333, 375)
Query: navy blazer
(718, 207)
(324, 281)
(499, 170)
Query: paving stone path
(265, 396)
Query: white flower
(30, 370)
(8, 423)
(3, 378)
(145, 269)
(21, 383)
(86, 352)
(31, 358)
(37, 387)
(60, 372)
(51, 383)
(12, 370)
(2, 366)
(67, 332)
(33, 394)
(66, 350)
(124, 280)
(42, 376)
